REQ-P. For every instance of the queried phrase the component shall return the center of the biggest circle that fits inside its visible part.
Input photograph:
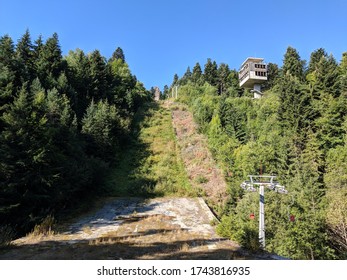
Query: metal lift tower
(262, 181)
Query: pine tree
(292, 64)
(6, 50)
(211, 72)
(187, 77)
(343, 71)
(295, 110)
(24, 56)
(8, 73)
(223, 77)
(175, 80)
(37, 49)
(197, 74)
(188, 74)
(98, 76)
(329, 123)
(118, 54)
(123, 85)
(315, 58)
(49, 63)
(102, 129)
(273, 75)
(327, 75)
(79, 78)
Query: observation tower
(252, 73)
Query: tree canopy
(296, 131)
(63, 121)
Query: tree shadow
(127, 178)
(124, 248)
(116, 212)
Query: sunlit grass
(151, 165)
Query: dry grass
(139, 236)
(199, 163)
(143, 235)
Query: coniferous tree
(37, 50)
(327, 75)
(343, 64)
(197, 74)
(102, 128)
(49, 64)
(295, 110)
(123, 85)
(175, 80)
(24, 56)
(292, 64)
(211, 72)
(166, 92)
(118, 54)
(188, 74)
(343, 71)
(8, 73)
(273, 74)
(223, 77)
(45, 161)
(98, 76)
(315, 59)
(79, 78)
(186, 77)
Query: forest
(297, 132)
(63, 122)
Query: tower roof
(253, 59)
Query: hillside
(175, 225)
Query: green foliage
(56, 143)
(296, 131)
(118, 54)
(49, 63)
(98, 76)
(151, 164)
(292, 64)
(295, 111)
(197, 74)
(239, 226)
(273, 74)
(103, 129)
(211, 72)
(335, 179)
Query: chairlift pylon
(262, 181)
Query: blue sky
(161, 38)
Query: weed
(201, 179)
(45, 228)
(214, 222)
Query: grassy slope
(151, 165)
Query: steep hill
(161, 214)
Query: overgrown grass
(151, 165)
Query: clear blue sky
(161, 38)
